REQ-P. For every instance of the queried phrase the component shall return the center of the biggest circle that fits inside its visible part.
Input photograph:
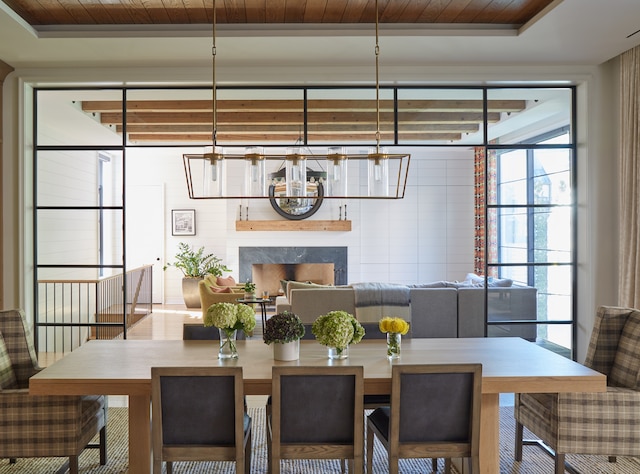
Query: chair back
(330, 421)
(605, 336)
(198, 413)
(199, 332)
(437, 404)
(18, 339)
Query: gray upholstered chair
(605, 423)
(198, 415)
(434, 413)
(329, 424)
(41, 425)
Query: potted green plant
(284, 330)
(249, 290)
(336, 330)
(195, 265)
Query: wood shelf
(303, 225)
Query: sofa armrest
(282, 304)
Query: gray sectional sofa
(435, 312)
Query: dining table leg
(139, 433)
(490, 434)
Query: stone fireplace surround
(249, 256)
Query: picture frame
(183, 222)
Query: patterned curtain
(629, 189)
(485, 232)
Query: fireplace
(266, 266)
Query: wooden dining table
(123, 367)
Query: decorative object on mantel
(207, 179)
(249, 290)
(336, 330)
(195, 265)
(230, 318)
(395, 328)
(284, 330)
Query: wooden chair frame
(278, 450)
(397, 450)
(240, 452)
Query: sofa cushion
(215, 289)
(434, 284)
(7, 376)
(300, 285)
(228, 281)
(626, 364)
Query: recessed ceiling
(436, 33)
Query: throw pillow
(626, 363)
(228, 281)
(7, 376)
(500, 282)
(221, 290)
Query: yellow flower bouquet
(395, 329)
(396, 325)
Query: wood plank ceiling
(282, 120)
(139, 12)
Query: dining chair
(329, 424)
(41, 425)
(596, 423)
(198, 414)
(434, 413)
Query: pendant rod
(214, 132)
(377, 52)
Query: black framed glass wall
(509, 134)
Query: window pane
(541, 110)
(79, 178)
(341, 116)
(74, 117)
(72, 237)
(442, 116)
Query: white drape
(629, 180)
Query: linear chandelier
(289, 175)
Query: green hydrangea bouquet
(230, 317)
(337, 329)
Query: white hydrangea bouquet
(230, 317)
(337, 329)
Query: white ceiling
(576, 32)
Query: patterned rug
(535, 461)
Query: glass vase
(394, 343)
(228, 349)
(335, 353)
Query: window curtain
(485, 226)
(629, 189)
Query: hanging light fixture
(257, 179)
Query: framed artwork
(183, 222)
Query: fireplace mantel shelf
(286, 225)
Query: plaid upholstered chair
(41, 425)
(605, 423)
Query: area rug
(534, 460)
